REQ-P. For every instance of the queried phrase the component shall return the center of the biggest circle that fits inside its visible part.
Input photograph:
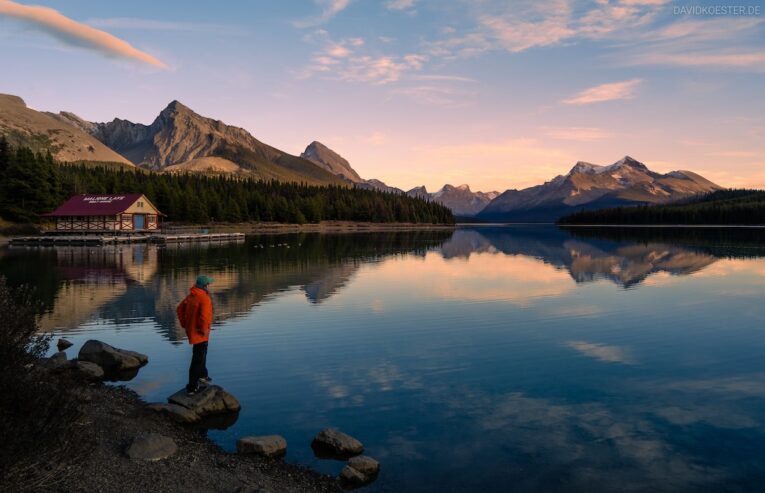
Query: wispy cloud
(345, 60)
(437, 95)
(329, 9)
(407, 5)
(749, 61)
(525, 25)
(605, 92)
(441, 77)
(724, 43)
(75, 33)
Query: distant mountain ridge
(182, 141)
(589, 186)
(178, 136)
(41, 131)
(460, 199)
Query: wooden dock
(97, 239)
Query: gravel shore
(112, 416)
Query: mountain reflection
(133, 283)
(129, 283)
(625, 257)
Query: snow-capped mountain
(590, 186)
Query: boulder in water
(334, 443)
(265, 446)
(209, 400)
(360, 470)
(110, 358)
(63, 344)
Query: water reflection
(126, 283)
(132, 282)
(487, 359)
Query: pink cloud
(605, 92)
(75, 33)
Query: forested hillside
(33, 183)
(722, 207)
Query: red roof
(96, 205)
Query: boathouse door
(139, 221)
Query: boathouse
(130, 212)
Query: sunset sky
(496, 94)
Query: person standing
(195, 313)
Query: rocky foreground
(122, 444)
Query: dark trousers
(198, 368)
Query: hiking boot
(205, 380)
(192, 391)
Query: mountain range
(589, 186)
(180, 141)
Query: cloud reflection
(602, 352)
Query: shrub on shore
(36, 438)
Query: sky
(495, 94)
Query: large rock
(111, 358)
(177, 413)
(360, 470)
(210, 400)
(265, 446)
(330, 441)
(151, 446)
(63, 344)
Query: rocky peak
(419, 192)
(175, 106)
(171, 112)
(326, 158)
(584, 167)
(627, 161)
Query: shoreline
(322, 227)
(287, 228)
(110, 416)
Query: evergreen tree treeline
(721, 207)
(33, 183)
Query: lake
(516, 358)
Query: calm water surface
(487, 359)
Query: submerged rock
(360, 470)
(151, 446)
(364, 464)
(177, 413)
(353, 476)
(266, 446)
(111, 358)
(334, 443)
(63, 344)
(210, 400)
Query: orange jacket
(195, 315)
